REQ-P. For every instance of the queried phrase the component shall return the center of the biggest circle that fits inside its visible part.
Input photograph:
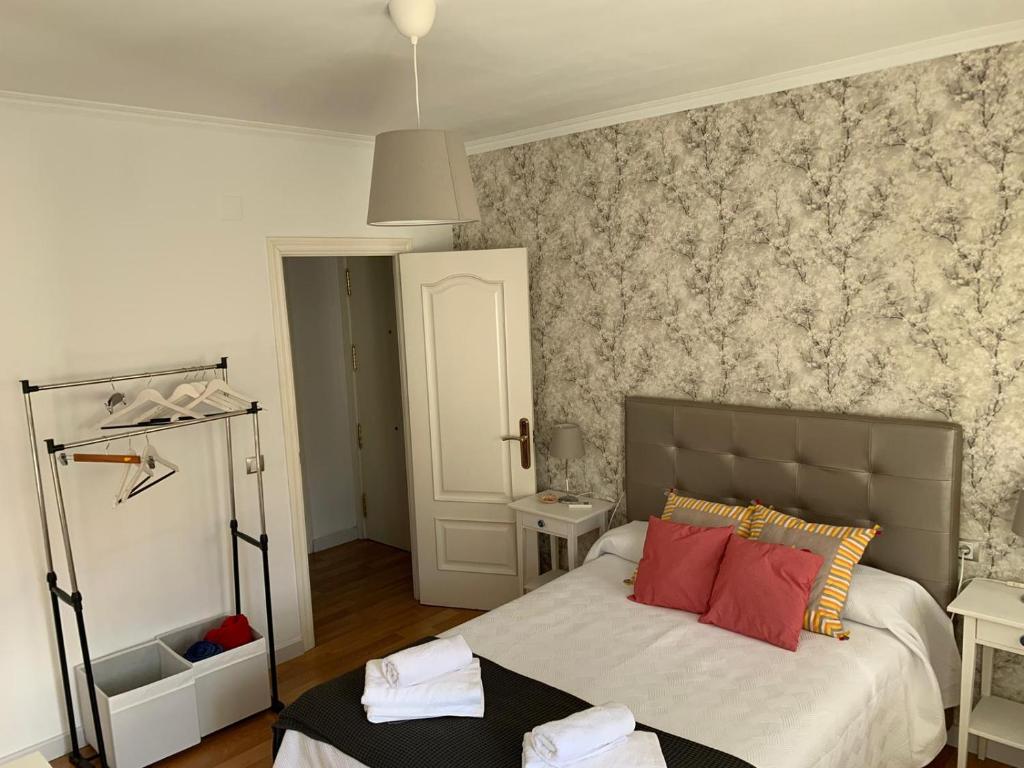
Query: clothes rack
(73, 598)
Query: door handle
(523, 438)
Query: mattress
(873, 701)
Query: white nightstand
(535, 518)
(993, 619)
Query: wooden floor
(363, 608)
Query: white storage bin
(147, 705)
(229, 686)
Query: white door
(378, 390)
(466, 344)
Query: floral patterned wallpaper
(852, 246)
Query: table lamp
(566, 443)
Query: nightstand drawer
(545, 524)
(1010, 638)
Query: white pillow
(626, 541)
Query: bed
(876, 700)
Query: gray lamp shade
(420, 177)
(1018, 519)
(566, 442)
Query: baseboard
(51, 749)
(335, 539)
(290, 651)
(58, 746)
(996, 751)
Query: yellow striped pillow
(683, 509)
(841, 546)
(704, 514)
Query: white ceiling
(489, 67)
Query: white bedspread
(874, 701)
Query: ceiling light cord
(416, 80)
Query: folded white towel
(423, 662)
(456, 694)
(398, 713)
(462, 686)
(560, 742)
(640, 749)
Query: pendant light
(420, 176)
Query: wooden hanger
(107, 458)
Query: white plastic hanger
(219, 394)
(133, 473)
(141, 405)
(142, 476)
(183, 394)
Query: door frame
(278, 249)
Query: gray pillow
(703, 519)
(826, 546)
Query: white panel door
(466, 348)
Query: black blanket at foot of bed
(513, 705)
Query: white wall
(114, 256)
(319, 360)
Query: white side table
(556, 520)
(993, 619)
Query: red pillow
(679, 565)
(762, 591)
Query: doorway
(348, 395)
(462, 325)
(345, 358)
(342, 402)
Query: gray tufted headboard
(903, 474)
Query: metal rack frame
(74, 598)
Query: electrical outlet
(250, 465)
(970, 550)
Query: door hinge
(364, 504)
(355, 358)
(359, 436)
(348, 282)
